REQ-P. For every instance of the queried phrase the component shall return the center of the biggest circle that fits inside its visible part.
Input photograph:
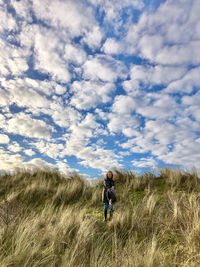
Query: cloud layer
(91, 85)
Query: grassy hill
(48, 220)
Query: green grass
(49, 220)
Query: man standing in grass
(108, 194)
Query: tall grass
(59, 220)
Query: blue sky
(88, 86)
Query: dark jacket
(107, 193)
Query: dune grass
(49, 220)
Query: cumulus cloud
(191, 106)
(4, 139)
(37, 163)
(23, 124)
(63, 116)
(112, 47)
(145, 163)
(14, 147)
(125, 124)
(88, 94)
(74, 54)
(156, 75)
(64, 168)
(122, 119)
(47, 58)
(185, 154)
(19, 92)
(94, 37)
(51, 149)
(56, 13)
(13, 60)
(104, 68)
(124, 104)
(186, 84)
(160, 106)
(103, 159)
(7, 22)
(29, 152)
(8, 161)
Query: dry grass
(60, 220)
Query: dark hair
(107, 174)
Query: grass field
(49, 220)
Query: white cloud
(7, 22)
(2, 120)
(191, 106)
(123, 123)
(48, 58)
(72, 16)
(85, 128)
(27, 35)
(180, 54)
(112, 46)
(124, 104)
(29, 152)
(45, 87)
(63, 116)
(4, 139)
(156, 75)
(9, 162)
(94, 37)
(186, 84)
(23, 124)
(88, 94)
(160, 106)
(149, 46)
(64, 168)
(141, 75)
(60, 90)
(14, 147)
(74, 54)
(102, 159)
(104, 68)
(4, 97)
(145, 163)
(23, 94)
(102, 115)
(37, 163)
(49, 148)
(13, 59)
(185, 154)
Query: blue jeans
(106, 205)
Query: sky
(91, 85)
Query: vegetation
(49, 220)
